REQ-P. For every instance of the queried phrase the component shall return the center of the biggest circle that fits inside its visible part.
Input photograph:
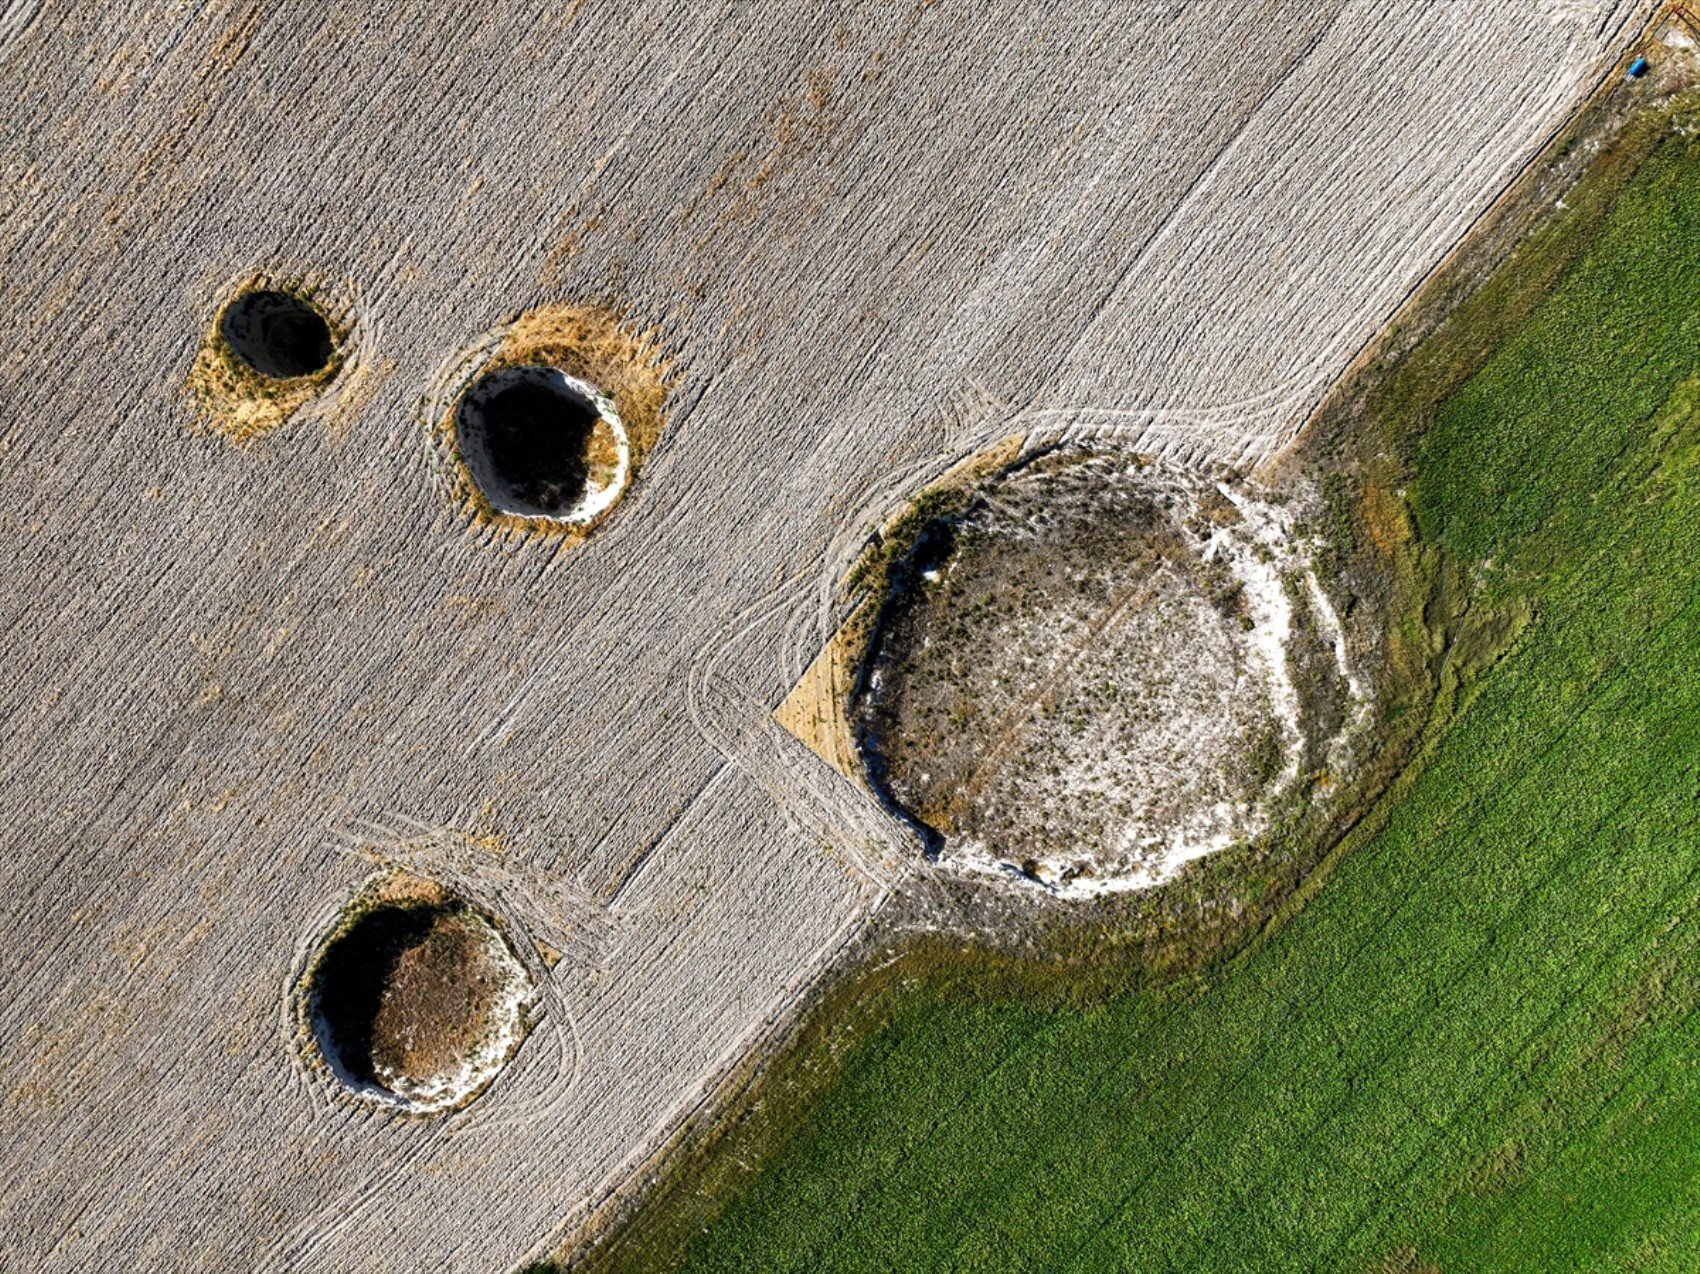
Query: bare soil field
(268, 645)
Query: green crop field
(1475, 1045)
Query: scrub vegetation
(1468, 1039)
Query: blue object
(1637, 68)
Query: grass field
(1475, 1045)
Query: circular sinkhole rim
(893, 563)
(595, 499)
(232, 399)
(239, 348)
(498, 1040)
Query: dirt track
(873, 238)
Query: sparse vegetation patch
(1093, 669)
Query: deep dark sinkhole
(524, 433)
(277, 334)
(353, 975)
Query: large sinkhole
(277, 334)
(1089, 669)
(417, 1000)
(525, 434)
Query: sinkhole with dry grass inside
(525, 435)
(418, 1000)
(270, 349)
(277, 334)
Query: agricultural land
(449, 451)
(1468, 1039)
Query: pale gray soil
(874, 237)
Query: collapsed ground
(416, 998)
(1093, 669)
(1467, 1041)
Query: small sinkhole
(525, 436)
(277, 334)
(410, 995)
